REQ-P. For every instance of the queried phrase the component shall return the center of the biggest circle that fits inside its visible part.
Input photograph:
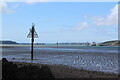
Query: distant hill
(8, 42)
(110, 43)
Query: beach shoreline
(93, 61)
(62, 71)
(66, 63)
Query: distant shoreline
(106, 43)
(19, 45)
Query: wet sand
(68, 64)
(60, 71)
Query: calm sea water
(92, 58)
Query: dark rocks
(11, 71)
(44, 72)
(13, 58)
(4, 60)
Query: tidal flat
(100, 59)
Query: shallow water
(96, 59)
(78, 50)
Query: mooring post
(57, 44)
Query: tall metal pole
(32, 42)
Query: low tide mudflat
(100, 59)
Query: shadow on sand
(11, 71)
